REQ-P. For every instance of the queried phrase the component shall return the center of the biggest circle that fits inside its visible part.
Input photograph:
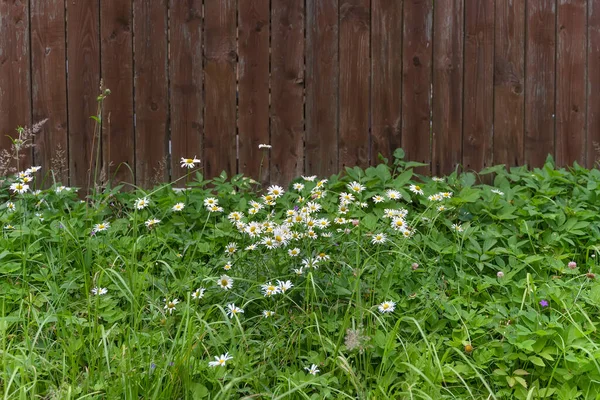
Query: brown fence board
(447, 86)
(416, 81)
(386, 84)
(220, 87)
(570, 81)
(151, 91)
(509, 83)
(322, 70)
(478, 127)
(354, 83)
(83, 82)
(116, 27)
(593, 83)
(287, 90)
(185, 69)
(253, 76)
(539, 83)
(48, 78)
(15, 90)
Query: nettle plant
(374, 283)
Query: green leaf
(537, 361)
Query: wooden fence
(328, 83)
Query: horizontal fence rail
(328, 83)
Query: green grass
(469, 283)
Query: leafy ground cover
(370, 284)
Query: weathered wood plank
(355, 73)
(539, 85)
(593, 83)
(49, 86)
(287, 90)
(478, 124)
(83, 82)
(185, 71)
(117, 72)
(253, 73)
(219, 82)
(509, 83)
(386, 86)
(570, 82)
(447, 86)
(151, 91)
(322, 80)
(417, 81)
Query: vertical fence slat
(479, 84)
(49, 85)
(15, 106)
(219, 81)
(570, 82)
(509, 83)
(447, 85)
(539, 84)
(416, 81)
(354, 83)
(322, 81)
(593, 83)
(185, 69)
(83, 73)
(287, 90)
(151, 92)
(117, 72)
(386, 88)
(253, 75)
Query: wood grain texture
(15, 90)
(447, 86)
(539, 85)
(593, 83)
(322, 80)
(185, 69)
(355, 75)
(151, 91)
(416, 82)
(287, 90)
(49, 85)
(478, 124)
(386, 82)
(83, 54)
(220, 88)
(118, 153)
(509, 83)
(253, 76)
(570, 81)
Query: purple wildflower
(544, 303)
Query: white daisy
(232, 310)
(231, 248)
(151, 222)
(189, 162)
(19, 187)
(140, 204)
(387, 307)
(498, 192)
(313, 370)
(309, 178)
(264, 146)
(178, 207)
(225, 282)
(457, 227)
(284, 286)
(11, 206)
(268, 313)
(198, 293)
(294, 252)
(269, 289)
(377, 199)
(220, 361)
(393, 194)
(379, 238)
(170, 305)
(101, 226)
(356, 187)
(211, 201)
(99, 291)
(416, 189)
(275, 191)
(298, 186)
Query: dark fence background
(329, 83)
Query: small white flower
(32, 170)
(446, 195)
(298, 186)
(170, 305)
(232, 310)
(436, 179)
(387, 307)
(379, 238)
(99, 291)
(211, 201)
(309, 178)
(231, 248)
(151, 222)
(225, 282)
(140, 204)
(498, 192)
(19, 187)
(178, 207)
(101, 226)
(457, 227)
(275, 191)
(355, 187)
(313, 370)
(59, 189)
(250, 247)
(393, 194)
(294, 252)
(264, 146)
(220, 361)
(416, 189)
(268, 313)
(269, 289)
(189, 162)
(284, 286)
(11, 206)
(198, 293)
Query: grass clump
(374, 283)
